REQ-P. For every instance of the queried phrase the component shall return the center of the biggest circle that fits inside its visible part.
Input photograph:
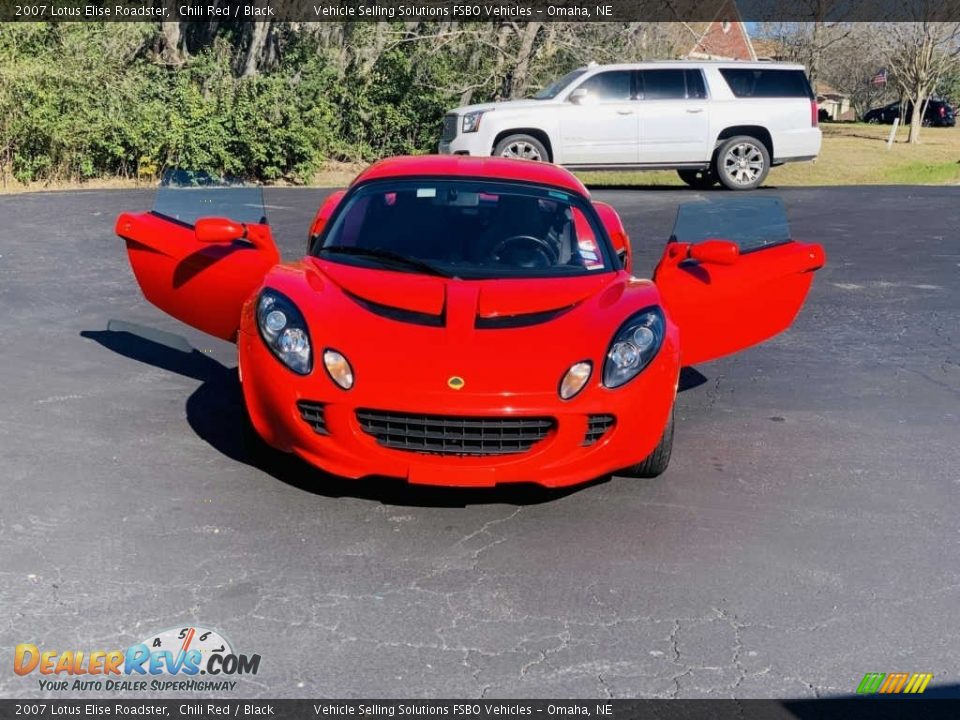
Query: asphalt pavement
(805, 533)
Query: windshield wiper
(389, 256)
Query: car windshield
(471, 229)
(557, 86)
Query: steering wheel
(525, 251)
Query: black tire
(656, 462)
(521, 147)
(699, 179)
(747, 175)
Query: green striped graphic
(870, 683)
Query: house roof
(826, 90)
(707, 39)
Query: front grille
(597, 426)
(449, 128)
(313, 414)
(448, 435)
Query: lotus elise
(468, 321)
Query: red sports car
(468, 321)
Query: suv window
(663, 84)
(767, 83)
(613, 86)
(696, 89)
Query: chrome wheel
(522, 150)
(743, 163)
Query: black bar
(475, 10)
(599, 709)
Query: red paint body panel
(201, 284)
(618, 234)
(419, 293)
(722, 309)
(492, 168)
(405, 366)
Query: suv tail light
(943, 110)
(814, 114)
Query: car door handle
(624, 112)
(694, 110)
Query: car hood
(503, 105)
(493, 298)
(407, 334)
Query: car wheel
(521, 147)
(742, 163)
(656, 462)
(873, 120)
(699, 179)
(926, 123)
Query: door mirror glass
(218, 230)
(716, 252)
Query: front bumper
(476, 144)
(641, 409)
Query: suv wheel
(699, 179)
(521, 147)
(742, 163)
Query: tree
(851, 65)
(920, 55)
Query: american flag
(880, 78)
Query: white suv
(711, 121)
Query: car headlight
(338, 367)
(471, 121)
(633, 347)
(284, 331)
(575, 379)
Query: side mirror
(218, 230)
(323, 215)
(579, 96)
(618, 235)
(717, 252)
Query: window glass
(610, 86)
(752, 223)
(467, 228)
(695, 86)
(663, 84)
(554, 88)
(767, 83)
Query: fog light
(338, 368)
(575, 379)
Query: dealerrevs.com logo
(171, 660)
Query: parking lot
(805, 533)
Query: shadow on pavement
(215, 412)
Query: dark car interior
(468, 228)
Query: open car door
(201, 251)
(732, 276)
